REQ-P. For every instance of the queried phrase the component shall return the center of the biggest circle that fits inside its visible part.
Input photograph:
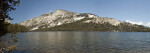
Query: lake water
(82, 42)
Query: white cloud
(138, 23)
(148, 24)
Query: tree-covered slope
(15, 28)
(81, 26)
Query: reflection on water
(83, 42)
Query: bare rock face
(60, 17)
(104, 20)
(63, 13)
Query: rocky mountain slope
(60, 17)
(63, 19)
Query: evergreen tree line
(15, 28)
(80, 26)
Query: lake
(82, 42)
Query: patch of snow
(34, 28)
(90, 16)
(59, 23)
(62, 16)
(79, 18)
(87, 21)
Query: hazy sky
(134, 11)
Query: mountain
(71, 21)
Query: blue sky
(134, 11)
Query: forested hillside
(15, 28)
(80, 26)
